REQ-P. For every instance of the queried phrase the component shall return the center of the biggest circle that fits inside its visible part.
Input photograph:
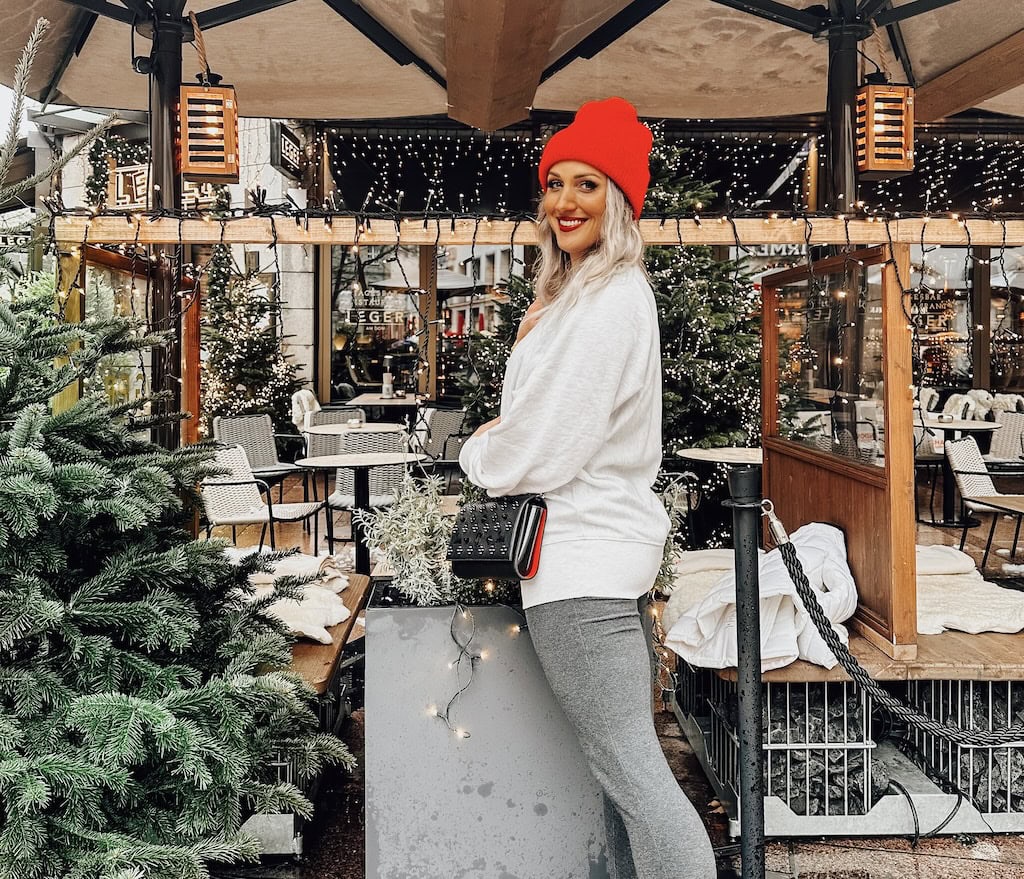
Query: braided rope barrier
(973, 738)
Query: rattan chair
(973, 480)
(255, 434)
(384, 481)
(235, 499)
(318, 445)
(1004, 454)
(449, 461)
(441, 424)
(927, 461)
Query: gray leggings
(596, 658)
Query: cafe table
(361, 427)
(950, 428)
(360, 464)
(735, 456)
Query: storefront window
(941, 279)
(830, 363)
(373, 315)
(113, 288)
(1006, 363)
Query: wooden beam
(429, 309)
(445, 232)
(495, 54)
(70, 299)
(991, 72)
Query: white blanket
(705, 633)
(952, 594)
(320, 605)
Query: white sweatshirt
(581, 423)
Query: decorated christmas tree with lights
(710, 325)
(142, 705)
(487, 353)
(245, 370)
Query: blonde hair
(557, 283)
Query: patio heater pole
(164, 85)
(745, 489)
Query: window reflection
(830, 363)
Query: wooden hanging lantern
(885, 130)
(207, 125)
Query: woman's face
(574, 202)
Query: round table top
(724, 455)
(410, 400)
(362, 427)
(959, 424)
(358, 459)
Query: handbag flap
(496, 529)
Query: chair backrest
(960, 406)
(968, 467)
(453, 446)
(443, 424)
(304, 403)
(254, 433)
(230, 501)
(1008, 441)
(925, 441)
(383, 480)
(421, 428)
(929, 398)
(325, 444)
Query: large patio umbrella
(485, 58)
(487, 62)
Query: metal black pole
(164, 85)
(745, 488)
(843, 36)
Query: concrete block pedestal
(514, 800)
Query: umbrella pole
(164, 86)
(843, 36)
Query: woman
(581, 423)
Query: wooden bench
(318, 663)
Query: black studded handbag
(498, 538)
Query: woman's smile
(570, 224)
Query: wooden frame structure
(873, 505)
(876, 508)
(444, 231)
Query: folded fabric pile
(703, 626)
(320, 605)
(952, 594)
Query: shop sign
(286, 150)
(775, 250)
(374, 316)
(129, 186)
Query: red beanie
(607, 135)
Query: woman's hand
(529, 320)
(483, 428)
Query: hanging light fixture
(207, 124)
(885, 129)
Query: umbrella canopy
(482, 60)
